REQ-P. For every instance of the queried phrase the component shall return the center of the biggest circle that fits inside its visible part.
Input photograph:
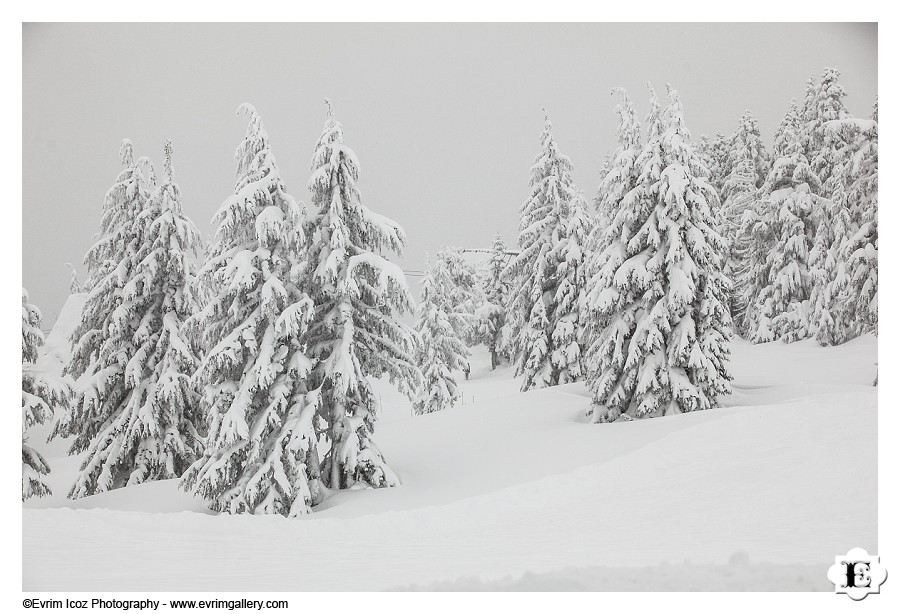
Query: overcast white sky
(444, 118)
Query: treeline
(687, 243)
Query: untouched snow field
(516, 491)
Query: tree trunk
(315, 476)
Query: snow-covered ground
(516, 490)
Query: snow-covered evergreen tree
(835, 317)
(613, 301)
(834, 227)
(43, 394)
(861, 251)
(552, 222)
(465, 294)
(359, 296)
(739, 184)
(135, 412)
(496, 287)
(748, 141)
(788, 132)
(620, 176)
(704, 146)
(95, 363)
(260, 455)
(721, 151)
(570, 254)
(739, 194)
(785, 299)
(785, 232)
(441, 351)
(661, 291)
(121, 205)
(491, 314)
(107, 261)
(714, 153)
(757, 233)
(829, 106)
(620, 180)
(807, 115)
(756, 240)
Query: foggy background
(444, 118)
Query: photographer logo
(858, 574)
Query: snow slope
(518, 483)
(54, 355)
(57, 349)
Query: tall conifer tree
(552, 231)
(661, 291)
(356, 332)
(135, 411)
(261, 455)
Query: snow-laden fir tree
(714, 152)
(718, 156)
(441, 350)
(465, 293)
(495, 284)
(861, 251)
(834, 226)
(135, 411)
(260, 455)
(690, 291)
(491, 314)
(356, 332)
(785, 300)
(835, 318)
(739, 194)
(780, 304)
(661, 291)
(570, 254)
(620, 175)
(757, 230)
(101, 345)
(748, 141)
(704, 146)
(107, 261)
(545, 231)
(526, 323)
(756, 241)
(788, 132)
(43, 395)
(620, 180)
(613, 300)
(829, 106)
(807, 118)
(121, 205)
